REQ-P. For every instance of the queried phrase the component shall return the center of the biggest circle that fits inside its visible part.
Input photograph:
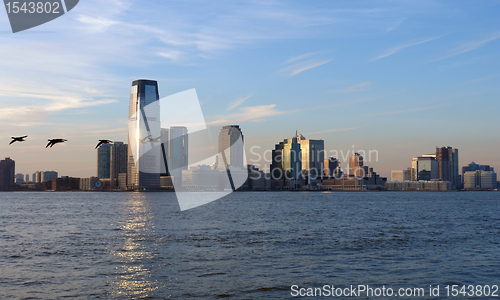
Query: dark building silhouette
(447, 158)
(7, 174)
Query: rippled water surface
(244, 246)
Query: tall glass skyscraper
(231, 143)
(177, 158)
(103, 161)
(144, 151)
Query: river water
(244, 246)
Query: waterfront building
(7, 174)
(202, 177)
(286, 160)
(117, 163)
(356, 167)
(27, 180)
(104, 161)
(37, 177)
(177, 159)
(331, 164)
(424, 168)
(480, 180)
(399, 175)
(312, 156)
(143, 166)
(164, 152)
(19, 178)
(433, 185)
(447, 158)
(231, 147)
(65, 183)
(46, 176)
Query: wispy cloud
(300, 57)
(237, 103)
(399, 48)
(402, 111)
(303, 66)
(357, 87)
(249, 113)
(471, 46)
(173, 55)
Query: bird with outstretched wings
(52, 142)
(18, 139)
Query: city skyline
(399, 78)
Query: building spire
(296, 133)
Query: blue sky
(392, 76)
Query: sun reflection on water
(133, 277)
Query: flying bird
(103, 142)
(18, 139)
(152, 140)
(52, 142)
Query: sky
(395, 77)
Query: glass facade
(144, 151)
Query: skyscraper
(143, 165)
(447, 158)
(356, 167)
(164, 152)
(286, 160)
(7, 171)
(231, 142)
(424, 168)
(177, 158)
(118, 162)
(331, 165)
(313, 155)
(103, 161)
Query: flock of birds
(52, 142)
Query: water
(244, 246)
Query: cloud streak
(237, 103)
(399, 48)
(303, 66)
(249, 113)
(471, 46)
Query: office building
(331, 164)
(231, 147)
(286, 160)
(118, 163)
(19, 178)
(399, 175)
(356, 167)
(424, 168)
(104, 161)
(47, 176)
(7, 174)
(164, 152)
(447, 158)
(177, 159)
(480, 180)
(312, 156)
(37, 177)
(143, 166)
(27, 180)
(429, 186)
